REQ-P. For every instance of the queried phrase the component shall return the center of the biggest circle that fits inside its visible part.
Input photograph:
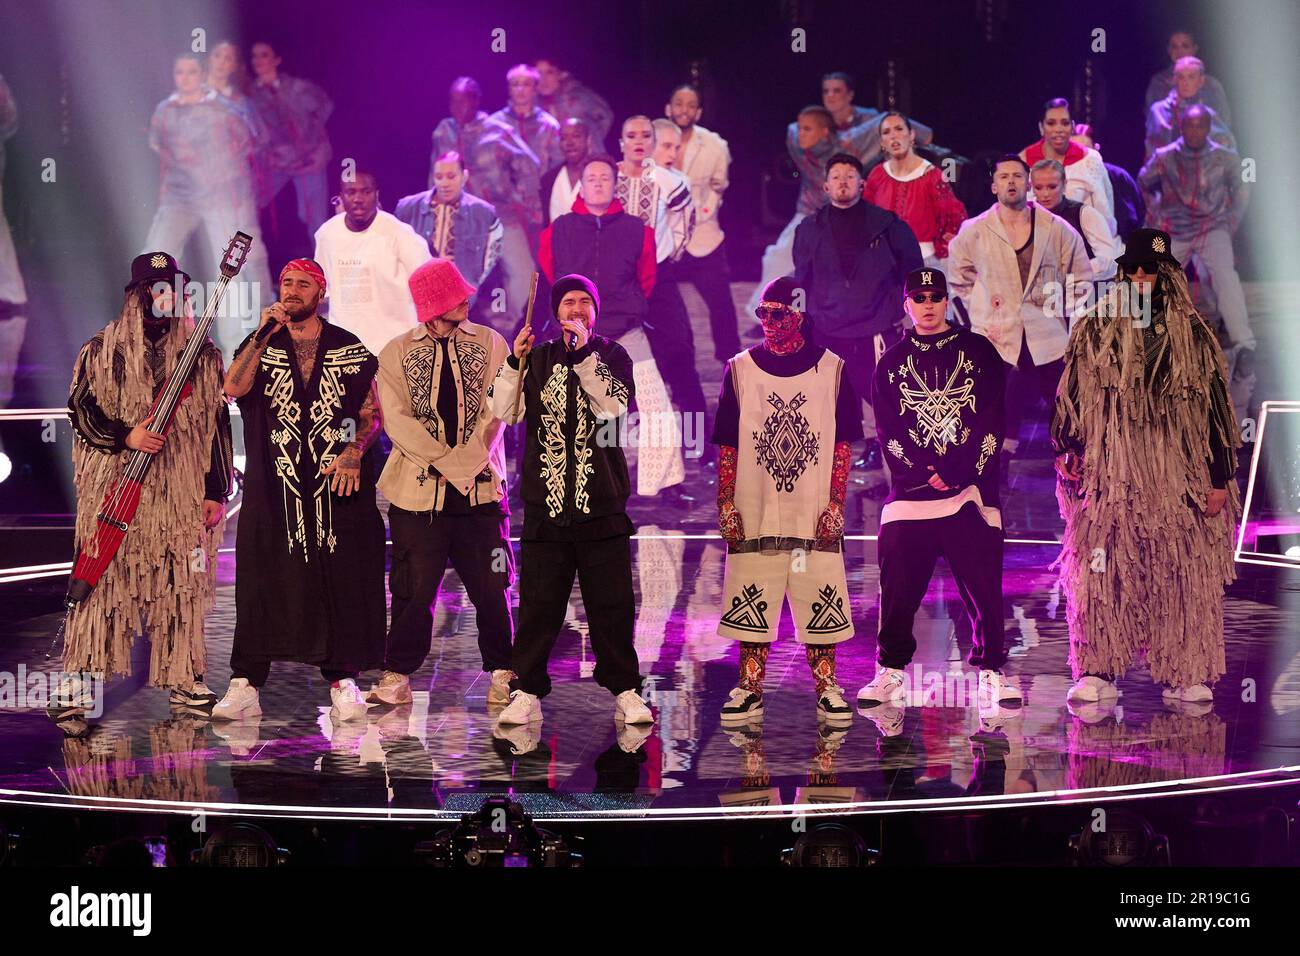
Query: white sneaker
(888, 718)
(522, 738)
(240, 734)
(631, 709)
(632, 737)
(997, 688)
(888, 686)
(832, 707)
(392, 689)
(742, 705)
(499, 691)
(348, 704)
(241, 700)
(523, 708)
(1092, 711)
(1092, 688)
(70, 699)
(1196, 693)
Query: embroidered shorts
(755, 586)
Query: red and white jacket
(922, 200)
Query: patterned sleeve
(681, 214)
(503, 394)
(606, 378)
(492, 248)
(952, 213)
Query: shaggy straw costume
(158, 582)
(1142, 565)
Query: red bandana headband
(309, 266)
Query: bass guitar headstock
(236, 254)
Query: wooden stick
(523, 361)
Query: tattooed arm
(243, 368)
(729, 520)
(346, 468)
(830, 525)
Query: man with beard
(1012, 266)
(309, 573)
(851, 257)
(575, 488)
(1145, 438)
(162, 579)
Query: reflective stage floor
(441, 756)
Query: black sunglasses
(920, 297)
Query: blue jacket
(472, 226)
(868, 300)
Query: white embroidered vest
(787, 446)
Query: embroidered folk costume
(309, 582)
(161, 581)
(786, 420)
(1143, 418)
(574, 488)
(445, 479)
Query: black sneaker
(742, 705)
(832, 707)
(196, 696)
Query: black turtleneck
(848, 232)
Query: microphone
(267, 330)
(572, 339)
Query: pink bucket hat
(438, 287)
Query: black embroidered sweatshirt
(575, 481)
(938, 401)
